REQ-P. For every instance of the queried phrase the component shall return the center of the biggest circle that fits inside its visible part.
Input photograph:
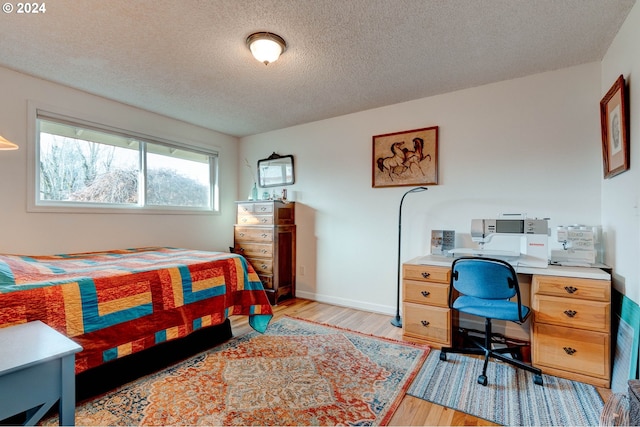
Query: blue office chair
(485, 287)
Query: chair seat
(488, 308)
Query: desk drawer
(590, 289)
(582, 352)
(426, 293)
(426, 272)
(426, 322)
(573, 313)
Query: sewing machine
(521, 241)
(581, 246)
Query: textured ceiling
(187, 59)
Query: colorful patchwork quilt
(120, 302)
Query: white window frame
(34, 204)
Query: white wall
(526, 145)
(621, 194)
(46, 233)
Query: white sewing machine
(581, 246)
(521, 241)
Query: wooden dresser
(570, 327)
(265, 234)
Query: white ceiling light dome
(266, 47)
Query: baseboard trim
(345, 302)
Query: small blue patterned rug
(511, 398)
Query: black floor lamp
(397, 321)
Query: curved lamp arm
(397, 321)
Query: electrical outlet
(302, 270)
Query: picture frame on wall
(405, 158)
(614, 126)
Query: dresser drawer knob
(425, 293)
(570, 351)
(241, 234)
(425, 274)
(264, 220)
(424, 323)
(570, 289)
(264, 251)
(264, 266)
(264, 235)
(570, 313)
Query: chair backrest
(485, 278)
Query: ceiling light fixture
(266, 47)
(7, 145)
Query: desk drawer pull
(425, 274)
(424, 323)
(570, 313)
(569, 350)
(425, 293)
(570, 289)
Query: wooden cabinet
(425, 306)
(265, 234)
(571, 332)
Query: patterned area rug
(510, 398)
(297, 373)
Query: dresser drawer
(574, 313)
(249, 249)
(255, 219)
(263, 208)
(590, 289)
(426, 272)
(426, 322)
(267, 281)
(579, 351)
(261, 266)
(255, 208)
(253, 234)
(426, 293)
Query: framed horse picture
(405, 158)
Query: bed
(117, 303)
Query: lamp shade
(266, 47)
(7, 145)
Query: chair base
(486, 349)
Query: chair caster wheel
(482, 380)
(443, 356)
(537, 379)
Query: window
(85, 165)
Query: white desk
(37, 368)
(552, 270)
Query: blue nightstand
(37, 369)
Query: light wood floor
(412, 411)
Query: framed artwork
(613, 122)
(405, 158)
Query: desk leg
(67, 406)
